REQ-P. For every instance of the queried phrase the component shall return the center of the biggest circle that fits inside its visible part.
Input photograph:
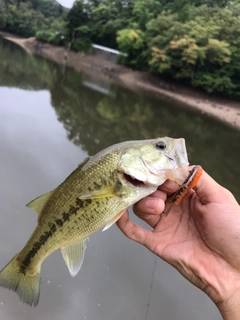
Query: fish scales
(73, 212)
(94, 196)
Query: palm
(186, 240)
(178, 234)
(200, 237)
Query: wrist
(221, 283)
(225, 293)
(230, 308)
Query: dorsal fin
(81, 164)
(38, 203)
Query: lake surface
(50, 120)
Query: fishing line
(151, 287)
(172, 129)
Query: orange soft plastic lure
(190, 183)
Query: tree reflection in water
(96, 114)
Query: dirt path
(225, 110)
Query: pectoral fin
(74, 255)
(38, 203)
(98, 194)
(115, 219)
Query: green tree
(145, 11)
(28, 17)
(82, 41)
(195, 50)
(132, 42)
(3, 14)
(212, 3)
(77, 16)
(196, 41)
(50, 8)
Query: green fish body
(94, 196)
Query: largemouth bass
(94, 196)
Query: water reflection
(97, 114)
(36, 156)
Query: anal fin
(74, 256)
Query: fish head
(154, 161)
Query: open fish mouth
(135, 182)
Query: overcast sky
(66, 3)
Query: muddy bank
(225, 110)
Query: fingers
(149, 208)
(208, 190)
(169, 187)
(159, 194)
(133, 231)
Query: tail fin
(25, 284)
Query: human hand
(200, 237)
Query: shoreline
(222, 109)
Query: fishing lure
(190, 183)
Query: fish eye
(160, 145)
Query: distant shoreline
(225, 110)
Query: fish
(190, 183)
(92, 197)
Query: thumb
(133, 231)
(208, 190)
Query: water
(50, 120)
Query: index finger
(169, 187)
(208, 190)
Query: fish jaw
(178, 152)
(179, 170)
(153, 167)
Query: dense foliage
(26, 17)
(196, 42)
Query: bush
(59, 39)
(56, 38)
(44, 36)
(82, 44)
